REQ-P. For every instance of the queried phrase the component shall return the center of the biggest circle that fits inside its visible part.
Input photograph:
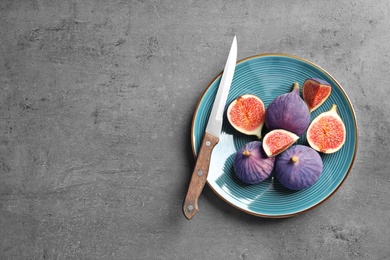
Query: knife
(211, 136)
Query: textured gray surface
(96, 105)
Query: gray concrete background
(96, 103)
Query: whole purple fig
(289, 112)
(251, 164)
(298, 167)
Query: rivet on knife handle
(199, 175)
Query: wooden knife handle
(199, 175)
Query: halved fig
(246, 114)
(277, 141)
(315, 92)
(327, 133)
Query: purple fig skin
(251, 164)
(298, 167)
(289, 112)
(321, 81)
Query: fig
(251, 164)
(246, 114)
(278, 140)
(326, 132)
(298, 167)
(289, 112)
(315, 92)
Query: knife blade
(211, 136)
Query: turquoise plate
(267, 76)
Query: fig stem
(294, 159)
(296, 86)
(333, 108)
(246, 153)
